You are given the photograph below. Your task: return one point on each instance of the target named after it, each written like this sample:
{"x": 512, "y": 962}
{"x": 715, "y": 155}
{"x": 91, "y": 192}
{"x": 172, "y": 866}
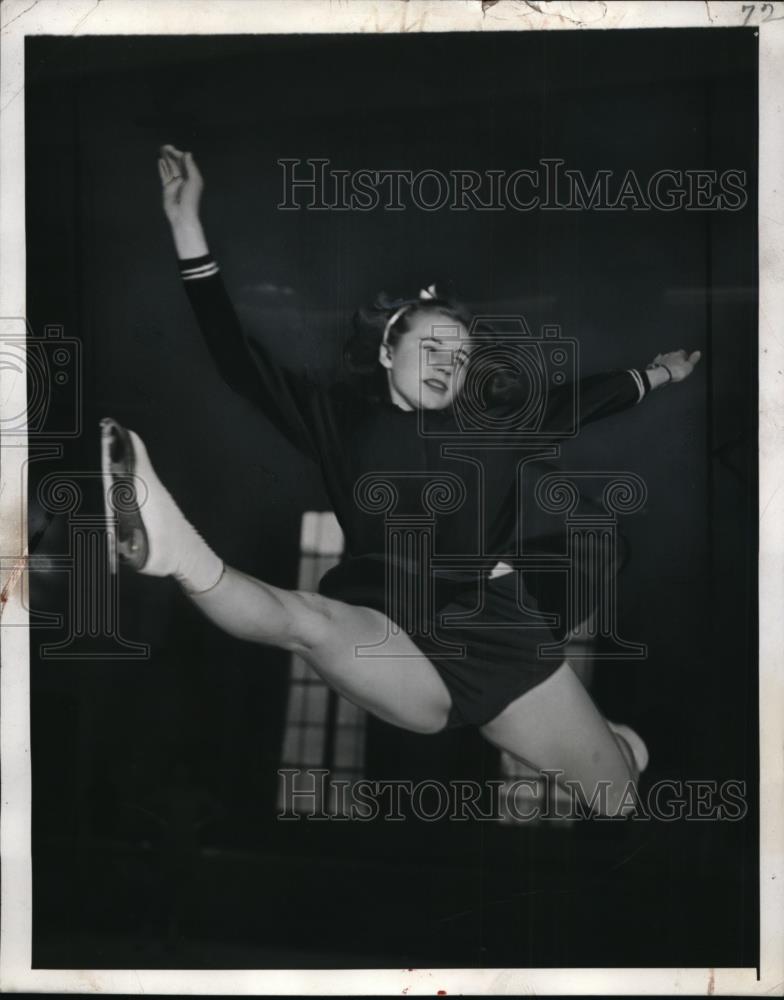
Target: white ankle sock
{"x": 175, "y": 546}
{"x": 634, "y": 741}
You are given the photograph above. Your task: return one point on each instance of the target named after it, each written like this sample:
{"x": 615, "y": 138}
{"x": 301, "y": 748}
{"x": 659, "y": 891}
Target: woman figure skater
{"x": 485, "y": 671}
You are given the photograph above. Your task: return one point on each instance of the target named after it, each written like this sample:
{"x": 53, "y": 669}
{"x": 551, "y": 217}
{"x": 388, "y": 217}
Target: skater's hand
{"x": 680, "y": 365}
{"x": 182, "y": 185}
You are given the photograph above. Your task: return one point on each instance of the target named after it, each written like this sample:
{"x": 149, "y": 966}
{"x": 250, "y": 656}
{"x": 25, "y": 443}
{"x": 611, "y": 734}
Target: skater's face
{"x": 426, "y": 365}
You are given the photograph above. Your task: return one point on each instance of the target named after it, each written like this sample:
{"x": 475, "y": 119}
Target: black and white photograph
{"x": 390, "y": 399}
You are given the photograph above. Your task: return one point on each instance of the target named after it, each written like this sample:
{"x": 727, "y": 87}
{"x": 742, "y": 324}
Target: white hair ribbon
{"x": 392, "y": 320}
{"x": 424, "y": 295}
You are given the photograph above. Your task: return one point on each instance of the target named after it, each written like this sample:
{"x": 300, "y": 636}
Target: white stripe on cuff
{"x": 205, "y": 271}
{"x": 638, "y": 382}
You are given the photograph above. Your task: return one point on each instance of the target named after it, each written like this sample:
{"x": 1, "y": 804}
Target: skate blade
{"x": 126, "y": 534}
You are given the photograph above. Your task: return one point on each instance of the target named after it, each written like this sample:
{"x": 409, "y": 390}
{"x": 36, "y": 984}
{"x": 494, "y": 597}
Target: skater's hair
{"x": 386, "y": 321}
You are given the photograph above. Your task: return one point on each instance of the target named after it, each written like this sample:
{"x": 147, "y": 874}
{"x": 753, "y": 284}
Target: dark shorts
{"x": 504, "y": 649}
{"x": 485, "y": 637}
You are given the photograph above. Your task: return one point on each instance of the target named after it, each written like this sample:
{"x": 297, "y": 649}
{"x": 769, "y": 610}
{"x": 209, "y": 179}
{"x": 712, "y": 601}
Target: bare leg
{"x": 556, "y": 726}
{"x": 581, "y": 650}
{"x": 402, "y": 687}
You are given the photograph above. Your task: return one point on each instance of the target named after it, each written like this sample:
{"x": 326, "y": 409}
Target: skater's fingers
{"x": 694, "y": 357}
{"x": 168, "y": 154}
{"x": 174, "y": 160}
{"x": 191, "y": 167}
{"x": 170, "y": 176}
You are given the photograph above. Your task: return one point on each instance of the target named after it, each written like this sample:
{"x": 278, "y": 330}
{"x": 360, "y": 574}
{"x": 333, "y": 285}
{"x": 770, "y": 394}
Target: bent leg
{"x": 401, "y": 687}
{"x": 557, "y": 727}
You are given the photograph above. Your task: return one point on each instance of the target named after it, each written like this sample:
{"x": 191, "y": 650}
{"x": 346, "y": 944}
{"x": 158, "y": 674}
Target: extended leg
{"x": 402, "y": 687}
{"x": 557, "y": 727}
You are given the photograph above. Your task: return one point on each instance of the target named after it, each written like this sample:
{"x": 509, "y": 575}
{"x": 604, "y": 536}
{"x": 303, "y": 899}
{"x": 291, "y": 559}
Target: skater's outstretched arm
{"x": 286, "y": 399}
{"x": 603, "y": 394}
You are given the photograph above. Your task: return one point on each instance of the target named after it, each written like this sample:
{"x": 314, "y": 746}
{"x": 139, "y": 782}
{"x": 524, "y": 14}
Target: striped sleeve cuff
{"x": 642, "y": 382}
{"x": 194, "y": 268}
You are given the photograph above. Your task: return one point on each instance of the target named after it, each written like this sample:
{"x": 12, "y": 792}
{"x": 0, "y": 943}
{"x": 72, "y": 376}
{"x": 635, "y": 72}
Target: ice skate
{"x": 152, "y": 534}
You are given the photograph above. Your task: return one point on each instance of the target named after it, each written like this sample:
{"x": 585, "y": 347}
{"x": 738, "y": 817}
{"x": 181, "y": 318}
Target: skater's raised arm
{"x": 245, "y": 366}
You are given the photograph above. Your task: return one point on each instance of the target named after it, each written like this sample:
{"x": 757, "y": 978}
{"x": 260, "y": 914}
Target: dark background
{"x": 115, "y": 740}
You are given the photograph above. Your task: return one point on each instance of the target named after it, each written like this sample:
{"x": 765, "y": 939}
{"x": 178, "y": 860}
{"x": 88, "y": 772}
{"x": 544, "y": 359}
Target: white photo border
{"x": 21, "y": 18}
